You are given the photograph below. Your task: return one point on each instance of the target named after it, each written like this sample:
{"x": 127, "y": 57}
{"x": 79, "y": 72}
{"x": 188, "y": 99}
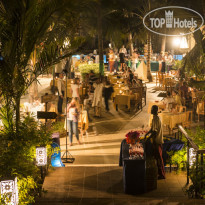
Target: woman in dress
{"x": 97, "y": 98}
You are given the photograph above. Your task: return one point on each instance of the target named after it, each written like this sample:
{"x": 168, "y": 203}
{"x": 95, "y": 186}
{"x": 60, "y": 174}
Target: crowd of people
{"x": 98, "y": 88}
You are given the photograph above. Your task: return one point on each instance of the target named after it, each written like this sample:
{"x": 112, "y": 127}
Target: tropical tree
{"x": 26, "y": 26}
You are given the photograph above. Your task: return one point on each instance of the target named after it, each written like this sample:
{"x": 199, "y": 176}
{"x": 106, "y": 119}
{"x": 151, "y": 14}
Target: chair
{"x": 180, "y": 108}
{"x": 188, "y": 121}
{"x": 200, "y": 109}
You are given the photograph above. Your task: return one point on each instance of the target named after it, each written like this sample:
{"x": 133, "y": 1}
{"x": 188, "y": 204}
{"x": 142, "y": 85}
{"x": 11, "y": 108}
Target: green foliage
{"x": 198, "y": 137}
{"x": 86, "y": 68}
{"x": 177, "y": 64}
{"x": 57, "y": 127}
{"x": 180, "y": 157}
{"x": 17, "y": 154}
{"x": 197, "y": 177}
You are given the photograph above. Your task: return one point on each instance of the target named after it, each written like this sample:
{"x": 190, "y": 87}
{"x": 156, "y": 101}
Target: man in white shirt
{"x": 157, "y": 136}
{"x": 61, "y": 92}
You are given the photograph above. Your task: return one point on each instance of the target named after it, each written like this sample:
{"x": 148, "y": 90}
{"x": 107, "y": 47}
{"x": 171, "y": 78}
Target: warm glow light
{"x": 192, "y": 156}
{"x": 176, "y": 41}
{"x": 41, "y": 156}
{"x": 183, "y": 43}
{"x": 10, "y": 188}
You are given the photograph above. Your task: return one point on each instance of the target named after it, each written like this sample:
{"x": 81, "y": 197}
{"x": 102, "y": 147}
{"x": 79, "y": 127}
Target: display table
{"x": 134, "y": 176}
{"x": 139, "y": 175}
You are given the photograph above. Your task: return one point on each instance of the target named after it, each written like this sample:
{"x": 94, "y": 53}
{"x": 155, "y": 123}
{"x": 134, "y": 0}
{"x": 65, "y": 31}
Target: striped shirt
{"x": 157, "y": 127}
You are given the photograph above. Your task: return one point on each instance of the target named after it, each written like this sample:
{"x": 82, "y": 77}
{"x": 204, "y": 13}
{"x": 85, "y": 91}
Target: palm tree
{"x": 24, "y": 26}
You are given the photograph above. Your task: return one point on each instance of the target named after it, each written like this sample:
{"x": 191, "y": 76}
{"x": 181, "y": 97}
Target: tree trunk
{"x": 163, "y": 46}
{"x": 149, "y": 75}
{"x": 100, "y": 40}
{"x": 130, "y": 43}
{"x": 17, "y": 113}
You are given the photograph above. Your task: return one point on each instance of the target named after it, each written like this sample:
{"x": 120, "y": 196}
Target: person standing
{"x": 97, "y": 98}
{"x": 72, "y": 121}
{"x": 157, "y": 136}
{"x": 61, "y": 92}
{"x": 122, "y": 53}
{"x": 107, "y": 92}
{"x": 75, "y": 89}
{"x": 111, "y": 60}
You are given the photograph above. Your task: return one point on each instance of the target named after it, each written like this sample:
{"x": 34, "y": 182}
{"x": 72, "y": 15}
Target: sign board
{"x": 48, "y": 98}
{"x": 46, "y": 115}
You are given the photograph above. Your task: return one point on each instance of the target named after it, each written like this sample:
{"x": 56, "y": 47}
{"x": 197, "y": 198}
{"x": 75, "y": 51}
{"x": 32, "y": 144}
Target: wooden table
{"x": 124, "y": 99}
{"x": 171, "y": 119}
{"x": 160, "y": 105}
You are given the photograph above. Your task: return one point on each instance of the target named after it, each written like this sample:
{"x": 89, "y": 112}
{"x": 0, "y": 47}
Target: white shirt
{"x": 123, "y": 50}
{"x": 61, "y": 86}
{"x": 75, "y": 88}
{"x": 157, "y": 126}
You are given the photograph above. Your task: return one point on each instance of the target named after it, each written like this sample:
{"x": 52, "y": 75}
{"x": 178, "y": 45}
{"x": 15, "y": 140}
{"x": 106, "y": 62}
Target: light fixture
{"x": 9, "y": 189}
{"x": 183, "y": 43}
{"x": 176, "y": 41}
{"x": 41, "y": 156}
{"x": 66, "y": 43}
{"x": 192, "y": 156}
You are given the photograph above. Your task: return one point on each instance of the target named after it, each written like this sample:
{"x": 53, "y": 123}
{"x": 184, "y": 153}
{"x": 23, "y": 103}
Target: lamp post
{"x": 41, "y": 158}
{"x": 9, "y": 189}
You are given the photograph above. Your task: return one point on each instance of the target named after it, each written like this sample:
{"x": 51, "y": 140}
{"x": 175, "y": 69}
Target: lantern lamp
{"x": 41, "y": 156}
{"x": 9, "y": 188}
{"x": 192, "y": 156}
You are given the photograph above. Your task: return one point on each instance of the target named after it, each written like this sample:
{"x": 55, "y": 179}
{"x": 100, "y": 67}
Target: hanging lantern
{"x": 41, "y": 156}
{"x": 9, "y": 189}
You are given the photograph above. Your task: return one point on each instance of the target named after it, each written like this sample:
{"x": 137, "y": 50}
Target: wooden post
{"x": 187, "y": 162}
{"x": 149, "y": 75}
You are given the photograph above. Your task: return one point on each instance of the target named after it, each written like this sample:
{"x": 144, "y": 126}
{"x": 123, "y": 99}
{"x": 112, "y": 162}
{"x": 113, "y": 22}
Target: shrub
{"x": 17, "y": 154}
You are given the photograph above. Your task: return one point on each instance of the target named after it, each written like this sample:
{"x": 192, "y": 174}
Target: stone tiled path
{"x": 103, "y": 185}
{"x": 95, "y": 178}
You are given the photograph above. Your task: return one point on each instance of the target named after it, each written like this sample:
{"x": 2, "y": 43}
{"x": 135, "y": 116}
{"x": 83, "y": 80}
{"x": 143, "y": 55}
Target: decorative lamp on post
{"x": 9, "y": 189}
{"x": 192, "y": 156}
{"x": 41, "y": 156}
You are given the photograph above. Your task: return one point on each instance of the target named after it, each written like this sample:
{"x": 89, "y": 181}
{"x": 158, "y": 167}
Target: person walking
{"x": 72, "y": 121}
{"x": 97, "y": 98}
{"x": 61, "y": 92}
{"x": 157, "y": 136}
{"x": 107, "y": 92}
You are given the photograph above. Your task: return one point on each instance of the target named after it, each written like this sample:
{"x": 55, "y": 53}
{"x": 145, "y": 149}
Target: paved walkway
{"x": 95, "y": 178}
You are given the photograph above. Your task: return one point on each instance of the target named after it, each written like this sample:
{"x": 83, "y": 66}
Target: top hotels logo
{"x": 173, "y": 21}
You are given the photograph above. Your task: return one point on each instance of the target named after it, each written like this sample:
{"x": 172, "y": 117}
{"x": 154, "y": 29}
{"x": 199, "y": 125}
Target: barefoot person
{"x": 157, "y": 136}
